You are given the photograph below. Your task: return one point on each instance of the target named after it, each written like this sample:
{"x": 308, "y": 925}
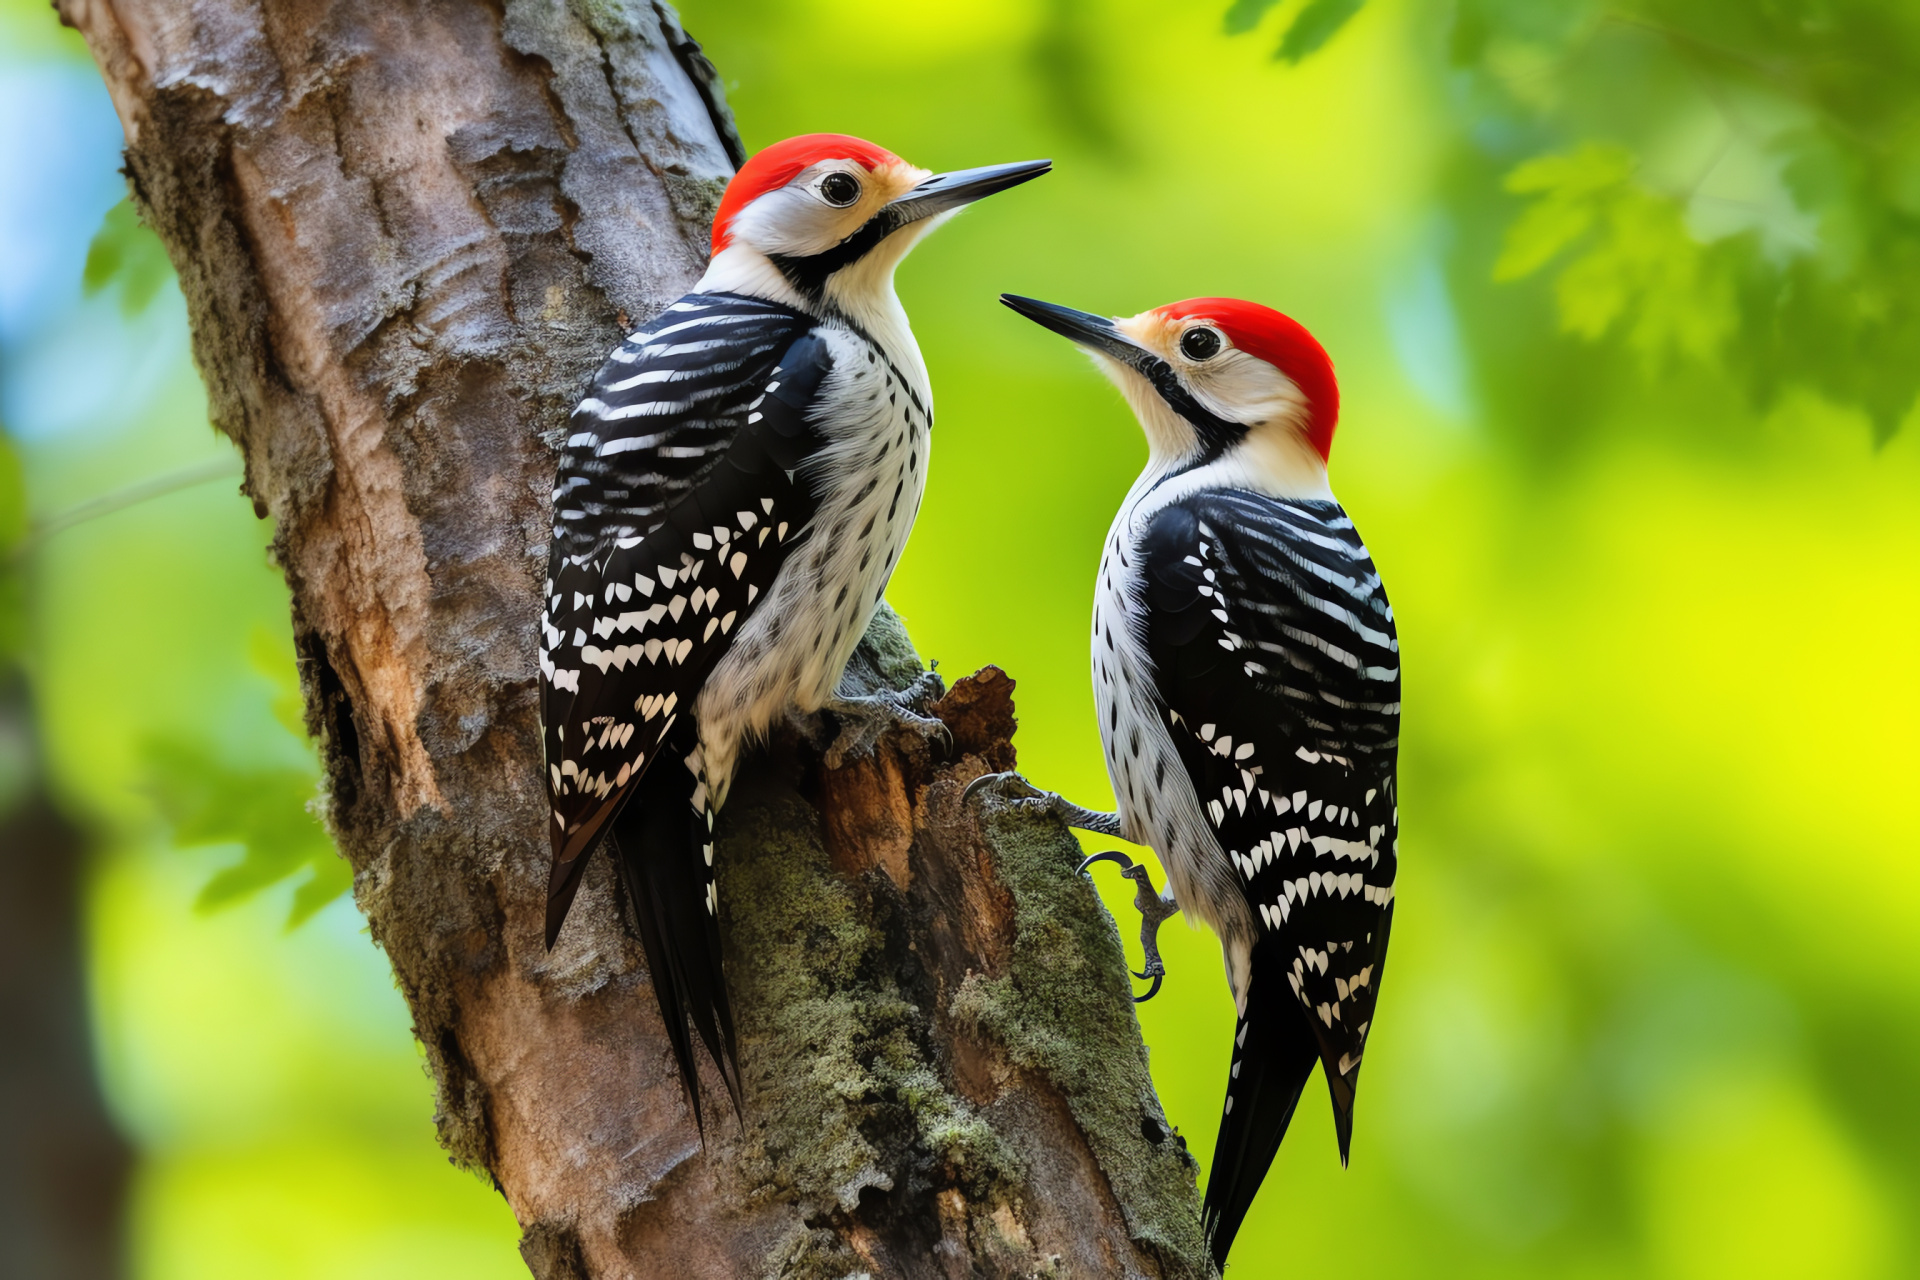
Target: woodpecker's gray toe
{"x": 1009, "y": 786}
{"x": 928, "y": 689}
{"x": 1013, "y": 789}
{"x": 864, "y": 721}
{"x": 1155, "y": 910}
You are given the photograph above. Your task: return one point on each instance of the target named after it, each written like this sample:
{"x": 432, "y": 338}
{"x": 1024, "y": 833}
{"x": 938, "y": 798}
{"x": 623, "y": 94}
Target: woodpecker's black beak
{"x": 944, "y": 191}
{"x": 939, "y": 194}
{"x": 1101, "y": 335}
{"x": 1088, "y": 330}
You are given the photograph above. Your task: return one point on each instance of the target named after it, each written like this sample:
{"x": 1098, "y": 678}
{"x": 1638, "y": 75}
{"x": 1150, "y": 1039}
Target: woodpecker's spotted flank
{"x": 1248, "y": 682}
{"x": 733, "y": 494}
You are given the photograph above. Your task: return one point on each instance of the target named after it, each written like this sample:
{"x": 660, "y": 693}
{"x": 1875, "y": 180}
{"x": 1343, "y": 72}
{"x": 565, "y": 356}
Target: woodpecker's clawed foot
{"x": 1013, "y": 789}
{"x": 928, "y": 688}
{"x": 1009, "y": 787}
{"x": 1154, "y": 909}
{"x": 864, "y": 721}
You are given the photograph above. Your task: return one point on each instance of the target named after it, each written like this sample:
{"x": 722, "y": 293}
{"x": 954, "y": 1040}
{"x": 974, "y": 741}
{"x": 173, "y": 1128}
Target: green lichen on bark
{"x": 843, "y": 1078}
{"x": 839, "y": 1074}
{"x": 885, "y": 658}
{"x": 1065, "y": 1009}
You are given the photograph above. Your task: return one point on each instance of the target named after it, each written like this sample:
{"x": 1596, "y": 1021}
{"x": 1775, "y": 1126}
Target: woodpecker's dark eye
{"x": 839, "y": 189}
{"x": 1200, "y": 343}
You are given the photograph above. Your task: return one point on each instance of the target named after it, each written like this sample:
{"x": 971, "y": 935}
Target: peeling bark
{"x": 407, "y": 234}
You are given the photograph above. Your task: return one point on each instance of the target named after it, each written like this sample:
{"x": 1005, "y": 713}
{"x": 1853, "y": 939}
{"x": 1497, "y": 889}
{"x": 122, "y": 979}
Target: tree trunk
{"x": 64, "y": 1168}
{"x": 407, "y": 234}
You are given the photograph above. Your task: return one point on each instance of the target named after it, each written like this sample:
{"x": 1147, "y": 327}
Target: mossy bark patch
{"x": 1065, "y": 1009}
{"x": 849, "y": 1114}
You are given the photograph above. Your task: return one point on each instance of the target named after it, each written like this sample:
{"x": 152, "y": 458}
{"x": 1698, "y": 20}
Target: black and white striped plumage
{"x": 1247, "y": 675}
{"x": 673, "y": 513}
{"x": 723, "y": 530}
{"x": 1273, "y": 652}
{"x": 732, "y": 496}
{"x": 680, "y": 497}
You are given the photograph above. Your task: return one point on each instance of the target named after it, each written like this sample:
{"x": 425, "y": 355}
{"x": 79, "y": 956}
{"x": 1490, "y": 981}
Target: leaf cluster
{"x": 1631, "y": 263}
{"x": 1719, "y": 186}
{"x": 1745, "y": 178}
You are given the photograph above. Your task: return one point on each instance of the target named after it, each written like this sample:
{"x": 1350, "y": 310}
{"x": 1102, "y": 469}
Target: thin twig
{"x": 130, "y": 496}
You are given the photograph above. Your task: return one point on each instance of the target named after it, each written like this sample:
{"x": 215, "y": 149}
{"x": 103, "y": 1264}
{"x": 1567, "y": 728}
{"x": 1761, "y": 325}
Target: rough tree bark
{"x": 407, "y": 233}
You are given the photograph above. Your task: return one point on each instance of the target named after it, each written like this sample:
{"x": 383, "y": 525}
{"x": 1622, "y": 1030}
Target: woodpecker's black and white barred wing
{"x": 661, "y": 412}
{"x": 1274, "y": 650}
{"x": 678, "y": 497}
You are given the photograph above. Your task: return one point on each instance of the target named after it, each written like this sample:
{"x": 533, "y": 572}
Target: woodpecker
{"x": 1247, "y": 675}
{"x": 732, "y": 496}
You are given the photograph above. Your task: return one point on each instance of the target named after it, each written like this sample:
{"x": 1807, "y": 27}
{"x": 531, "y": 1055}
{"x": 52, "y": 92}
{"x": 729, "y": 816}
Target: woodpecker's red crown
{"x": 777, "y": 165}
{"x": 1282, "y": 342}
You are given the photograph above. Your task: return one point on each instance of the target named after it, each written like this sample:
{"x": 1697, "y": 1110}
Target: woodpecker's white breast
{"x": 1156, "y": 800}
{"x": 876, "y": 418}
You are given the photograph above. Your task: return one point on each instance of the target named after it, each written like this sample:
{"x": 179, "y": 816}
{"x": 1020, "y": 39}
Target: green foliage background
{"x": 1623, "y": 300}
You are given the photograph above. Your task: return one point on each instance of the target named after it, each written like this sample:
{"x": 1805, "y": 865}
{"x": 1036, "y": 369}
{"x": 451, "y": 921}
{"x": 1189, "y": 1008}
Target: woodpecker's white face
{"x": 1229, "y": 383}
{"x": 823, "y": 205}
{"x": 820, "y": 222}
{"x": 1216, "y": 382}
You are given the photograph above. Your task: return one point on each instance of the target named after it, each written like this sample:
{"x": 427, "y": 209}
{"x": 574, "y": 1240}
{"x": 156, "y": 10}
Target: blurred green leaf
{"x": 270, "y": 812}
{"x": 265, "y": 810}
{"x": 1309, "y": 30}
{"x": 1065, "y": 52}
{"x": 1570, "y": 191}
{"x": 126, "y": 255}
{"x": 1318, "y": 23}
{"x": 1245, "y": 15}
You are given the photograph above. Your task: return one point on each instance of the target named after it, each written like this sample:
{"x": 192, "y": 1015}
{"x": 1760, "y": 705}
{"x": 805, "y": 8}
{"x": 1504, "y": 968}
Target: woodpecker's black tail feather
{"x": 658, "y": 842}
{"x": 1342, "y": 1093}
{"x": 1274, "y": 1053}
{"x": 563, "y": 882}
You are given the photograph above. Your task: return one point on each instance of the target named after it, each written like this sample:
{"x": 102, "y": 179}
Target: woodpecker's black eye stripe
{"x": 809, "y": 274}
{"x": 1216, "y": 434}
